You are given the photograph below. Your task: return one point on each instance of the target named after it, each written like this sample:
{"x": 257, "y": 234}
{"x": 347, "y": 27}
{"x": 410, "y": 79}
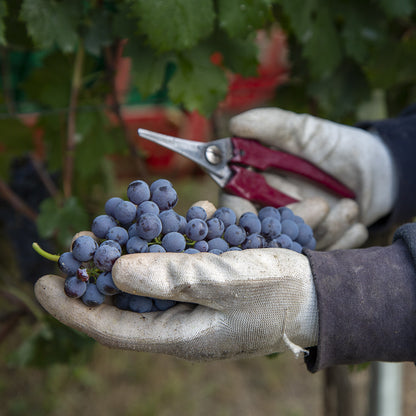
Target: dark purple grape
{"x": 111, "y": 204}
{"x": 290, "y": 228}
{"x": 149, "y": 226}
{"x": 68, "y": 263}
{"x": 191, "y": 250}
{"x": 218, "y": 243}
{"x": 250, "y": 222}
{"x": 196, "y": 212}
{"x": 73, "y": 287}
{"x": 270, "y": 227}
{"x": 296, "y": 247}
{"x": 216, "y": 228}
{"x": 226, "y": 215}
{"x": 105, "y": 256}
{"x": 269, "y": 212}
{"x": 164, "y": 304}
{"x": 196, "y": 229}
{"x": 84, "y": 247}
{"x": 112, "y": 243}
{"x": 171, "y": 221}
{"x": 201, "y": 246}
{"x": 140, "y": 304}
{"x": 102, "y": 224}
{"x": 121, "y": 300}
{"x": 160, "y": 182}
{"x": 156, "y": 248}
{"x": 138, "y": 192}
{"x": 105, "y": 284}
{"x": 118, "y": 234}
{"x": 305, "y": 234}
{"x": 253, "y": 241}
{"x": 165, "y": 197}
{"x": 125, "y": 212}
{"x": 92, "y": 296}
{"x": 234, "y": 235}
{"x": 282, "y": 241}
{"x": 286, "y": 213}
{"x": 136, "y": 245}
{"x": 174, "y": 242}
{"x": 147, "y": 207}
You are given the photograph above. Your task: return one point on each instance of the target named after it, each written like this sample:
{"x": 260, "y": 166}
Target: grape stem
{"x": 43, "y": 253}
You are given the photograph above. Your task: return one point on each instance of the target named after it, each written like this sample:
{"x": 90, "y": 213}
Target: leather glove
{"x": 238, "y": 304}
{"x": 356, "y": 157}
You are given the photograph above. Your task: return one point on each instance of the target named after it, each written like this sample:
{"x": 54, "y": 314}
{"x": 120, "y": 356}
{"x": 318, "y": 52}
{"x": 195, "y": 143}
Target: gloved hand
{"x": 238, "y": 304}
{"x": 356, "y": 157}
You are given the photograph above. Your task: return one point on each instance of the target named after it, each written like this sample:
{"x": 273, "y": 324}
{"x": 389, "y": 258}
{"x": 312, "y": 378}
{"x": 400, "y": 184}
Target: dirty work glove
{"x": 238, "y": 304}
{"x": 356, "y": 157}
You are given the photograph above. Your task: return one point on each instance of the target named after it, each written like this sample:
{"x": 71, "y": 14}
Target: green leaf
{"x": 148, "y": 68}
{"x": 398, "y": 8}
{"x": 51, "y": 22}
{"x": 3, "y": 14}
{"x": 242, "y": 17}
{"x": 175, "y": 24}
{"x": 197, "y": 83}
{"x": 240, "y": 55}
{"x": 63, "y": 221}
{"x": 16, "y": 140}
{"x": 99, "y": 32}
{"x": 52, "y": 343}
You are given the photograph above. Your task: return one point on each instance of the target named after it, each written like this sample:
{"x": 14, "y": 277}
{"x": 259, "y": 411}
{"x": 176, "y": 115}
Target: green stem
{"x": 43, "y": 253}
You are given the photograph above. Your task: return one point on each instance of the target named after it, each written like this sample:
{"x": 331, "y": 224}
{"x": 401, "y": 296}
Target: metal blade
{"x": 213, "y": 156}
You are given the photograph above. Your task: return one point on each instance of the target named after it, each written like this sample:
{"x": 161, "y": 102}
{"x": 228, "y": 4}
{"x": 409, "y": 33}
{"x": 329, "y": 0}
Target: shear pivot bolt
{"x": 213, "y": 155}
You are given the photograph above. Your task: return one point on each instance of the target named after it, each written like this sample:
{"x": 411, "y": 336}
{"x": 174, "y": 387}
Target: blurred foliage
{"x": 58, "y": 60}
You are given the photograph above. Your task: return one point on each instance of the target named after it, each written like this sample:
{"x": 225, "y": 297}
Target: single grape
{"x": 234, "y": 235}
{"x": 149, "y": 226}
{"x": 136, "y": 245}
{"x": 253, "y": 241}
{"x": 133, "y": 230}
{"x": 164, "y": 304}
{"x": 171, "y": 221}
{"x": 68, "y": 263}
{"x": 311, "y": 244}
{"x": 73, "y": 287}
{"x": 216, "y": 228}
{"x": 226, "y": 215}
{"x": 105, "y": 284}
{"x": 160, "y": 182}
{"x": 118, "y": 234}
{"x": 174, "y": 242}
{"x": 218, "y": 243}
{"x": 112, "y": 243}
{"x": 305, "y": 234}
{"x": 82, "y": 274}
{"x": 138, "y": 192}
{"x": 216, "y": 251}
{"x": 84, "y": 247}
{"x": 156, "y": 248}
{"x": 147, "y": 207}
{"x": 296, "y": 247}
{"x": 298, "y": 220}
{"x": 191, "y": 251}
{"x": 111, "y": 204}
{"x": 201, "y": 246}
{"x": 105, "y": 256}
{"x": 102, "y": 224}
{"x": 270, "y": 227}
{"x": 282, "y": 241}
{"x": 140, "y": 304}
{"x": 121, "y": 300}
{"x": 196, "y": 212}
{"x": 269, "y": 212}
{"x": 286, "y": 213}
{"x": 196, "y": 229}
{"x": 250, "y": 222}
{"x": 165, "y": 197}
{"x": 182, "y": 224}
{"x": 290, "y": 228}
{"x": 92, "y": 296}
{"x": 125, "y": 212}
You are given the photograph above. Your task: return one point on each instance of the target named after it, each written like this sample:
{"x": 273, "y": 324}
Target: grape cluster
{"x": 147, "y": 222}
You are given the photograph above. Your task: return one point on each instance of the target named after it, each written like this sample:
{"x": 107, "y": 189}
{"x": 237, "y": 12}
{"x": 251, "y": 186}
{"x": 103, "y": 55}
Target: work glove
{"x": 233, "y": 305}
{"x": 357, "y": 158}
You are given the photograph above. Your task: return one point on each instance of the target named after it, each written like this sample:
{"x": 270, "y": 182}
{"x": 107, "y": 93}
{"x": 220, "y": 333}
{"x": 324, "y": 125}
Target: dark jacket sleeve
{"x": 399, "y": 134}
{"x": 366, "y": 302}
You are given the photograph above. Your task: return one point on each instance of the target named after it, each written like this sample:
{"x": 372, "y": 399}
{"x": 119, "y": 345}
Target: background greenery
{"x": 58, "y": 61}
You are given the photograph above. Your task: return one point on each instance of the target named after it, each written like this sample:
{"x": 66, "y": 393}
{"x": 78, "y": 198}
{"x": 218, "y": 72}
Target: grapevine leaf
{"x": 197, "y": 83}
{"x": 99, "y": 33}
{"x": 148, "y": 68}
{"x": 50, "y": 22}
{"x": 175, "y": 24}
{"x": 240, "y": 56}
{"x": 3, "y": 14}
{"x": 241, "y": 17}
{"x": 16, "y": 140}
{"x": 63, "y": 221}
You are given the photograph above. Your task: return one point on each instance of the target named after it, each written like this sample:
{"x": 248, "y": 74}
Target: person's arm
{"x": 366, "y": 302}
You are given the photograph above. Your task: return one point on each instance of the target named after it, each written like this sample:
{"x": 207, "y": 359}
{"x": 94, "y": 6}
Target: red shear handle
{"x": 252, "y": 186}
{"x": 252, "y": 153}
